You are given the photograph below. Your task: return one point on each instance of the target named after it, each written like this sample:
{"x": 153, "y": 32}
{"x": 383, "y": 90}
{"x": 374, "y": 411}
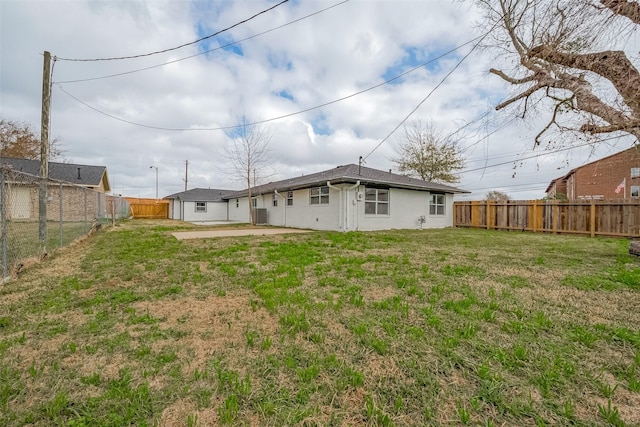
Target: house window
{"x": 237, "y": 203}
{"x": 319, "y": 196}
{"x": 436, "y": 206}
{"x": 290, "y": 198}
{"x": 376, "y": 201}
{"x": 201, "y": 206}
{"x": 275, "y": 200}
{"x": 635, "y": 172}
{"x": 254, "y": 202}
{"x": 635, "y": 191}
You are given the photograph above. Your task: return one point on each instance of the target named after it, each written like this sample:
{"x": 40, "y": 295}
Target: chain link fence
{"x": 71, "y": 212}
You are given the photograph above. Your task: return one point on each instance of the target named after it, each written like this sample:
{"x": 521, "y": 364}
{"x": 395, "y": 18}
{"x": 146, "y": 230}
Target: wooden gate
{"x": 149, "y": 208}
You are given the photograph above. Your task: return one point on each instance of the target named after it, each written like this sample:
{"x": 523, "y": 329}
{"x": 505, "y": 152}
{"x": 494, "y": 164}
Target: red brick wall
{"x": 599, "y": 179}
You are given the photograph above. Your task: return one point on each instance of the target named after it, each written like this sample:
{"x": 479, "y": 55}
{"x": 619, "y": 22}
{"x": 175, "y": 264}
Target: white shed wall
{"x": 216, "y": 211}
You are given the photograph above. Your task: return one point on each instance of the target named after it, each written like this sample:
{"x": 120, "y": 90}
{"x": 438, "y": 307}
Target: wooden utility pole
{"x": 186, "y": 174}
{"x": 44, "y": 150}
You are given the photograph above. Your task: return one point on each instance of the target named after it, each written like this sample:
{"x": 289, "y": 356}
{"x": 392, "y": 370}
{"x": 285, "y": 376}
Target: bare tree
{"x": 19, "y": 141}
{"x": 248, "y": 155}
{"x": 428, "y": 154}
{"x": 568, "y": 54}
{"x": 497, "y": 196}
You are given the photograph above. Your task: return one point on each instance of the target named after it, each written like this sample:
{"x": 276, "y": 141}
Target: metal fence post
{"x": 61, "y": 240}
{"x": 86, "y": 225}
{"x": 3, "y": 214}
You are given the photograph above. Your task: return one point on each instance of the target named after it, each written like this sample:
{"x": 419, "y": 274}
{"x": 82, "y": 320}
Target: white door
{"x": 19, "y": 203}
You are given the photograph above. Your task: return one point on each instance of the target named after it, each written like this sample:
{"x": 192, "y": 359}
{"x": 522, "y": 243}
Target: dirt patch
{"x": 214, "y": 324}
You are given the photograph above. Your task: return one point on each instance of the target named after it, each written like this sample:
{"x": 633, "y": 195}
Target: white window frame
{"x": 289, "y": 198}
{"x": 254, "y": 202}
{"x": 438, "y": 204}
{"x": 372, "y": 198}
{"x": 634, "y": 191}
{"x": 635, "y": 172}
{"x": 275, "y": 200}
{"x": 201, "y": 207}
{"x": 319, "y": 196}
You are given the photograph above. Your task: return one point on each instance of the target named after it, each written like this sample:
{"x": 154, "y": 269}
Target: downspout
{"x": 340, "y": 206}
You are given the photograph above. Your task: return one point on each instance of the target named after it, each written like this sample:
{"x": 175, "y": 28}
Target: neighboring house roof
{"x": 201, "y": 195}
{"x": 348, "y": 174}
{"x": 84, "y": 175}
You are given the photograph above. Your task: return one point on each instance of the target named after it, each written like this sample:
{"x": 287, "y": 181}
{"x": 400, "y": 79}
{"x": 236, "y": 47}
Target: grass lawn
{"x": 430, "y": 327}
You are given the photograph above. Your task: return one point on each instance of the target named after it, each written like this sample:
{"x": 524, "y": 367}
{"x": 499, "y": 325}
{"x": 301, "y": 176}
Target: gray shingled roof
{"x": 85, "y": 175}
{"x": 201, "y": 195}
{"x": 348, "y": 174}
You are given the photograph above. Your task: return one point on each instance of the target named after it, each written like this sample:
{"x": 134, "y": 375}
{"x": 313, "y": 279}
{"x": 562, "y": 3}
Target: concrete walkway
{"x": 208, "y": 234}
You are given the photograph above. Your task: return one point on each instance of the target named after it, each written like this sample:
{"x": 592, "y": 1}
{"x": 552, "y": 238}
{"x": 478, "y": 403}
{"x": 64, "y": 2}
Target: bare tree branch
{"x": 624, "y": 8}
{"x": 594, "y": 90}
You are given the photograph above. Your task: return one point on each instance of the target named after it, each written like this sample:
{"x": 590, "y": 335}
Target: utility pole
{"x": 44, "y": 151}
{"x": 186, "y": 174}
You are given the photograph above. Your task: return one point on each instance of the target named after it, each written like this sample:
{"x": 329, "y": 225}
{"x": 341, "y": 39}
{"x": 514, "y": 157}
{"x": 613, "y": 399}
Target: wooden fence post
{"x": 592, "y": 225}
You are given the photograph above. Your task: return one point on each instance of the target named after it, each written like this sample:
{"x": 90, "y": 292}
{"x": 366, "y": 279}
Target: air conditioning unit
{"x": 360, "y": 196}
{"x": 260, "y": 216}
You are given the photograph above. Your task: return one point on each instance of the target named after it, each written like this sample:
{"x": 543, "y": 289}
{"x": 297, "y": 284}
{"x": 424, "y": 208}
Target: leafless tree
{"x": 248, "y": 155}
{"x": 570, "y": 55}
{"x": 19, "y": 141}
{"x": 428, "y": 154}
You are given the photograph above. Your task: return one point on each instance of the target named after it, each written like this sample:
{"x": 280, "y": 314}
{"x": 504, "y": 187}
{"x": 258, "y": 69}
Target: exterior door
{"x": 19, "y": 202}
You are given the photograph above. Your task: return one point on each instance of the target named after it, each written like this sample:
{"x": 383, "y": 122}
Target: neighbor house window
{"x": 635, "y": 172}
{"x": 376, "y": 201}
{"x": 290, "y": 198}
{"x": 635, "y": 191}
{"x": 201, "y": 206}
{"x": 319, "y": 196}
{"x": 436, "y": 206}
{"x": 275, "y": 199}
{"x": 237, "y": 203}
{"x": 254, "y": 202}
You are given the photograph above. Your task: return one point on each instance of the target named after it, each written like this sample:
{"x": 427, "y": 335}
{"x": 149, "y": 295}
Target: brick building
{"x": 74, "y": 192}
{"x": 613, "y": 177}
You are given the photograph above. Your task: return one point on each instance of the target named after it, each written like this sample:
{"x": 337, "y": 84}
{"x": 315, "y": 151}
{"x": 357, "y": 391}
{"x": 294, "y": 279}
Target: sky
{"x": 299, "y": 68}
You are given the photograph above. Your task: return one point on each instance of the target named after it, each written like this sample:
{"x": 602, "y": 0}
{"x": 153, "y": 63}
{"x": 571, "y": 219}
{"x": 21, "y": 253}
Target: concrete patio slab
{"x": 208, "y": 234}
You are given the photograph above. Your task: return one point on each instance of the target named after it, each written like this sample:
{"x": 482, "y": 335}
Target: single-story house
{"x": 349, "y": 197}
{"x": 81, "y": 186}
{"x": 199, "y": 204}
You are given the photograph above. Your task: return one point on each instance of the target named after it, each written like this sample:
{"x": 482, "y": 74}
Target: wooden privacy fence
{"x": 591, "y": 217}
{"x": 149, "y": 208}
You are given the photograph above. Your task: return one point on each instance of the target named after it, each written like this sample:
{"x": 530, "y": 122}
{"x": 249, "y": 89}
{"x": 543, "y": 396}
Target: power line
{"x": 177, "y": 47}
{"x": 480, "y": 38}
{"x": 278, "y": 117}
{"x": 206, "y": 51}
{"x": 538, "y": 155}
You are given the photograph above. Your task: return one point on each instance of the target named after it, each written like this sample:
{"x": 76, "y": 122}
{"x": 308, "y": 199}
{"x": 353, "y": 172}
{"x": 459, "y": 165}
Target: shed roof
{"x": 349, "y": 174}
